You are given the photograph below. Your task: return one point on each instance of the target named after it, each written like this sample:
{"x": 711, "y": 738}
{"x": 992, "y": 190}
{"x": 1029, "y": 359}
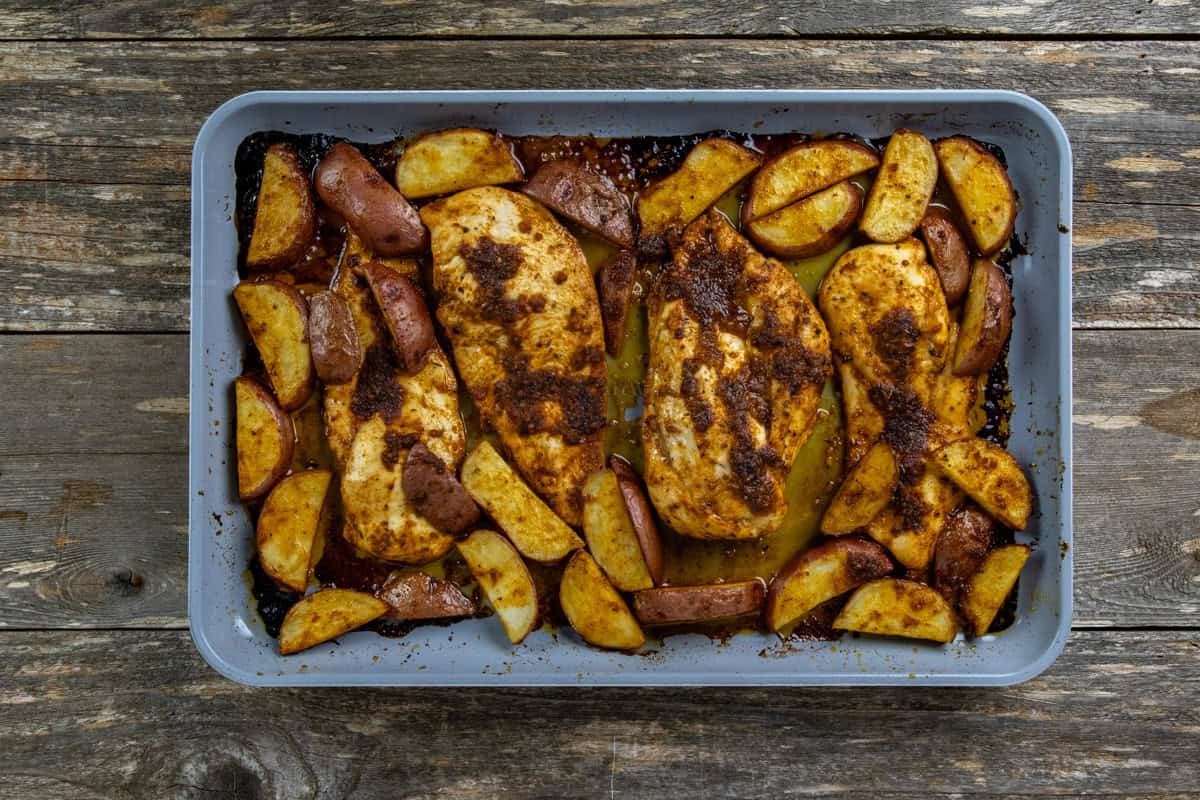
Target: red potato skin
{"x": 948, "y": 251}
{"x": 961, "y": 548}
{"x": 380, "y": 215}
{"x": 585, "y": 197}
{"x": 676, "y": 605}
{"x": 641, "y": 514}
{"x": 405, "y": 313}
{"x": 333, "y": 337}
{"x": 614, "y": 283}
{"x": 978, "y": 356}
{"x": 435, "y": 493}
{"x": 418, "y": 595}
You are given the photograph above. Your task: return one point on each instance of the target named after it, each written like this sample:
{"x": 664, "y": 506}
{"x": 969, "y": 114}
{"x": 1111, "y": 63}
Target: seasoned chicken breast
{"x": 519, "y": 304}
{"x": 738, "y": 358}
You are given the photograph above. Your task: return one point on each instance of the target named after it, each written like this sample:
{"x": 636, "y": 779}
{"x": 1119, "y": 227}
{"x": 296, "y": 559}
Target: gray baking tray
{"x": 224, "y": 622}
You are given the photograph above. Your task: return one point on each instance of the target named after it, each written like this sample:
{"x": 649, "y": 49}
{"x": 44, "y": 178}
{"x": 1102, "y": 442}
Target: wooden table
{"x": 101, "y": 691}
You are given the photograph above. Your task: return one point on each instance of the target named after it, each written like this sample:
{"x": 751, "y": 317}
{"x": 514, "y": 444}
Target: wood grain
{"x": 171, "y": 727}
{"x": 79, "y": 19}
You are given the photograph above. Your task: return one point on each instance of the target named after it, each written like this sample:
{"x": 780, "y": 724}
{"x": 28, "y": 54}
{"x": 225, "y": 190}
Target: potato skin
{"x": 405, "y": 313}
{"x": 614, "y": 283}
{"x": 379, "y": 214}
{"x": 675, "y": 605}
{"x": 961, "y": 548}
{"x": 641, "y": 513}
{"x": 435, "y": 493}
{"x": 419, "y": 595}
{"x": 585, "y": 197}
{"x": 948, "y": 251}
{"x": 987, "y": 320}
{"x": 333, "y": 338}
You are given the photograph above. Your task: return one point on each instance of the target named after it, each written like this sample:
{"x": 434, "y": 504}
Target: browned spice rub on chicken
{"x": 738, "y": 359}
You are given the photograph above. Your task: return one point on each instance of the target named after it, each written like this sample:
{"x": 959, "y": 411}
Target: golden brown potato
{"x": 986, "y": 322}
{"x": 452, "y": 160}
{"x": 961, "y": 548}
{"x": 809, "y": 226}
{"x": 587, "y": 198}
{"x": 333, "y": 338}
{"x": 435, "y": 494}
{"x": 285, "y": 219}
{"x": 404, "y": 312}
{"x": 902, "y": 189}
{"x": 594, "y": 608}
{"x": 326, "y": 615}
{"x": 265, "y": 439}
{"x": 802, "y": 170}
{"x": 820, "y": 574}
{"x": 287, "y": 526}
{"x": 348, "y": 184}
{"x": 538, "y": 533}
{"x": 991, "y": 477}
{"x": 505, "y": 581}
{"x": 610, "y": 536}
{"x": 641, "y": 514}
{"x": 990, "y": 585}
{"x": 948, "y": 252}
{"x": 982, "y": 189}
{"x": 276, "y": 316}
{"x": 896, "y": 607}
{"x": 614, "y": 283}
{"x": 865, "y": 491}
{"x": 419, "y": 595}
{"x": 683, "y": 605}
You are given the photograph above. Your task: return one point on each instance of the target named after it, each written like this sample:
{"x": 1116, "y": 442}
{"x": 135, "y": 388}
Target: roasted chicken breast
{"x": 519, "y": 304}
{"x": 738, "y": 358}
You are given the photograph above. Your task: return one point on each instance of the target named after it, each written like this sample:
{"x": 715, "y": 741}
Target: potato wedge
{"x": 683, "y": 605}
{"x": 266, "y": 438}
{"x": 961, "y": 547}
{"x": 586, "y": 198}
{"x": 614, "y": 283}
{"x": 351, "y": 186}
{"x": 536, "y": 531}
{"x": 419, "y": 595}
{"x": 990, "y": 585}
{"x": 435, "y": 493}
{"x": 713, "y": 167}
{"x": 287, "y": 526}
{"x": 452, "y": 160}
{"x": 897, "y": 607}
{"x": 594, "y": 608}
{"x": 982, "y": 189}
{"x": 608, "y": 529}
{"x": 285, "y": 219}
{"x": 277, "y": 317}
{"x": 865, "y": 491}
{"x": 902, "y": 189}
{"x": 986, "y": 322}
{"x": 333, "y": 337}
{"x": 326, "y": 615}
{"x": 809, "y": 226}
{"x": 641, "y": 514}
{"x": 990, "y": 476}
{"x": 948, "y": 253}
{"x": 820, "y": 574}
{"x": 505, "y": 581}
{"x": 802, "y": 170}
{"x": 404, "y": 312}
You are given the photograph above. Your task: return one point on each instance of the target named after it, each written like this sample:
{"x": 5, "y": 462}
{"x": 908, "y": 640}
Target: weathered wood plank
{"x": 92, "y": 480}
{"x": 75, "y": 19}
{"x": 1115, "y": 715}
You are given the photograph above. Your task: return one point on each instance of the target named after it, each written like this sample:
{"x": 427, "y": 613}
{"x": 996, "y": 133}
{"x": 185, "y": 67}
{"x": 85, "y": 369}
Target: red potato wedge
{"x": 288, "y": 524}
{"x": 595, "y": 609}
{"x": 285, "y": 219}
{"x": 609, "y": 532}
{"x": 948, "y": 252}
{"x": 961, "y": 547}
{"x": 505, "y": 581}
{"x": 614, "y": 284}
{"x": 897, "y": 607}
{"x": 326, "y": 615}
{"x": 587, "y": 198}
{"x": 404, "y": 312}
{"x": 865, "y": 491}
{"x": 990, "y": 476}
{"x": 982, "y": 189}
{"x": 435, "y": 493}
{"x": 713, "y": 167}
{"x": 803, "y": 170}
{"x": 641, "y": 514}
{"x": 276, "y": 316}
{"x": 266, "y": 438}
{"x": 419, "y": 595}
{"x": 810, "y": 226}
{"x": 990, "y": 585}
{"x": 333, "y": 337}
{"x": 986, "y": 322}
{"x": 536, "y": 531}
{"x": 452, "y": 160}
{"x": 820, "y": 574}
{"x": 902, "y": 189}
{"x": 683, "y": 605}
{"x": 386, "y": 222}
